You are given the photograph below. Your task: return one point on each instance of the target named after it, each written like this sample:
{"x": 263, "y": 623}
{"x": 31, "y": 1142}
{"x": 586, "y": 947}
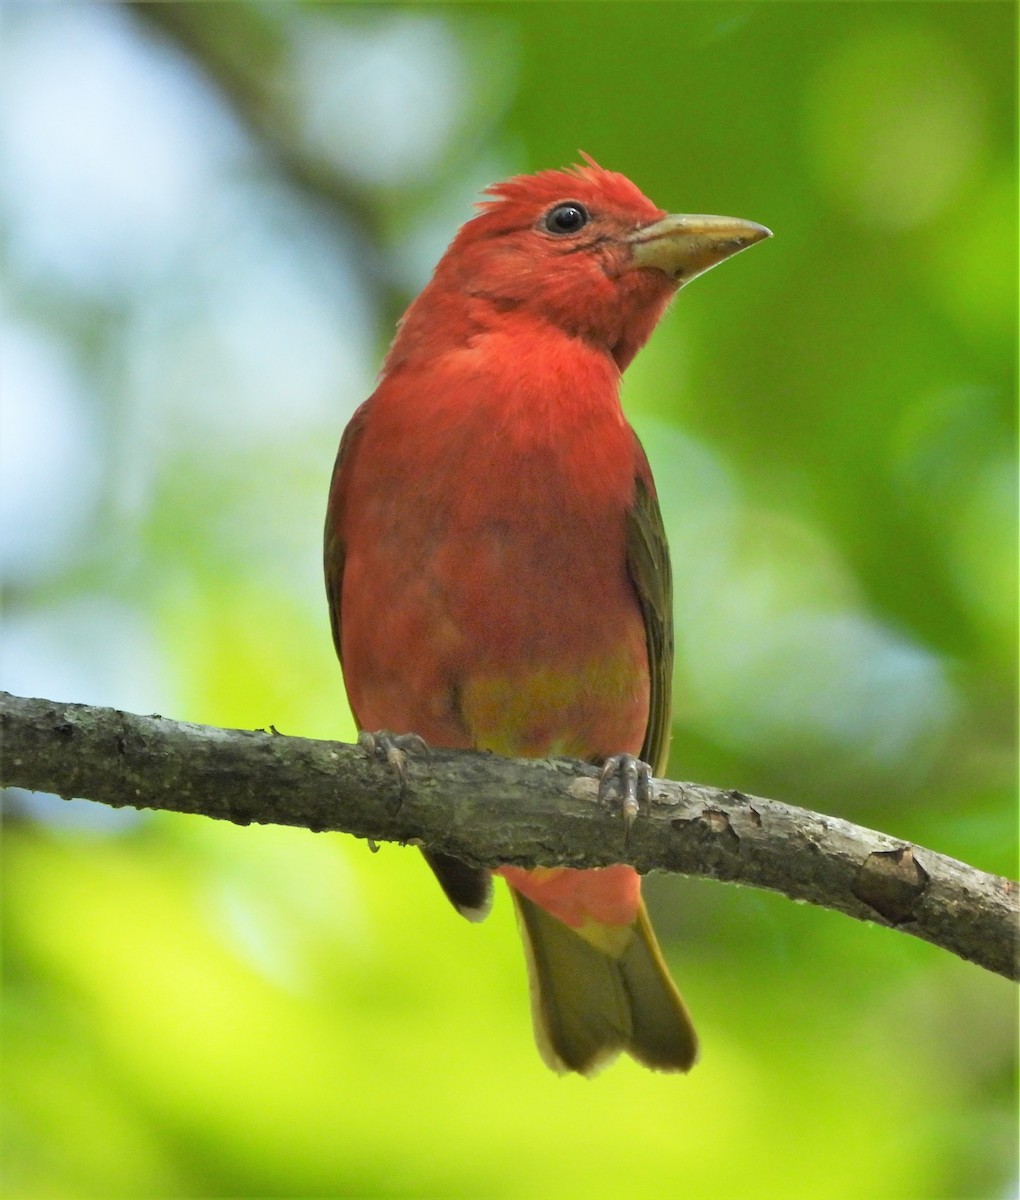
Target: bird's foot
{"x": 393, "y": 749}
{"x": 634, "y": 782}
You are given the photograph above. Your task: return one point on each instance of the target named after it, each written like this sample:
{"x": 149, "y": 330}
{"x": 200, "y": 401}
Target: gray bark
{"x": 488, "y": 810}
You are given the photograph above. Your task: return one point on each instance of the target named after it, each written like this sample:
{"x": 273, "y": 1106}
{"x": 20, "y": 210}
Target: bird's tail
{"x": 590, "y": 1001}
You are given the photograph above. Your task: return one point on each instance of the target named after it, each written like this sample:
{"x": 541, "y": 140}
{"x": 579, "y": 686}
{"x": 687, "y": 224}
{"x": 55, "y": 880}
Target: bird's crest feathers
{"x": 587, "y": 182}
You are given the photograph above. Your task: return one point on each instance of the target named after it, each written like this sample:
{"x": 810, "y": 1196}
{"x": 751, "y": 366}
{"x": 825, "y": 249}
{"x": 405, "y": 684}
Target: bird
{"x": 497, "y": 571}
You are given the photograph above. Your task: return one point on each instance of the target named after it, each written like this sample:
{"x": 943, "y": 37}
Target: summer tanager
{"x": 496, "y": 565}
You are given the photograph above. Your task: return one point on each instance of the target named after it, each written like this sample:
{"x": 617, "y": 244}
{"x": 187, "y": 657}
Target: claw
{"x": 394, "y": 749}
{"x": 635, "y": 780}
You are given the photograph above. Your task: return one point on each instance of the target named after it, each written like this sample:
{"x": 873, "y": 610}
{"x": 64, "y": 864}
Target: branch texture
{"x": 488, "y": 810}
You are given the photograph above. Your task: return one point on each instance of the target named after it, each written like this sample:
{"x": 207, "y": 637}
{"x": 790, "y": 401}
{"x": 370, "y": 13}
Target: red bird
{"x": 496, "y": 566}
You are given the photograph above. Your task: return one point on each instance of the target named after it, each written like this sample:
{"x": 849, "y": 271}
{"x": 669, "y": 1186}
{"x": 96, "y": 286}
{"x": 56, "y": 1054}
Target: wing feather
{"x": 650, "y": 571}
{"x": 333, "y": 551}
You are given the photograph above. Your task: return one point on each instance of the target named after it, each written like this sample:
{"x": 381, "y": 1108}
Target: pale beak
{"x": 686, "y": 246}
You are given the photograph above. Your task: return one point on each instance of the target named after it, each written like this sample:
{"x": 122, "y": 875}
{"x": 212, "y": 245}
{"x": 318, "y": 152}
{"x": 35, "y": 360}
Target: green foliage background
{"x": 212, "y": 216}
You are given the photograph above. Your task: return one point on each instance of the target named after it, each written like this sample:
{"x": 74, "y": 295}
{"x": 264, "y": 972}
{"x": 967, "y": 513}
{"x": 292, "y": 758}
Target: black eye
{"x": 567, "y": 218}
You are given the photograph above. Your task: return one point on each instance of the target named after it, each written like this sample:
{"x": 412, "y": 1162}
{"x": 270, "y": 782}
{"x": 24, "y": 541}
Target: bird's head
{"x": 583, "y": 250}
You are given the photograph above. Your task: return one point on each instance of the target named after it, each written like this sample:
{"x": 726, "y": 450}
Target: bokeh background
{"x": 211, "y": 217}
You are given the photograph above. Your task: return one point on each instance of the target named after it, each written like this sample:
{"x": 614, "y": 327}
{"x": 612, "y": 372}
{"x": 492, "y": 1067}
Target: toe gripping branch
{"x": 633, "y": 779}
{"x": 393, "y": 749}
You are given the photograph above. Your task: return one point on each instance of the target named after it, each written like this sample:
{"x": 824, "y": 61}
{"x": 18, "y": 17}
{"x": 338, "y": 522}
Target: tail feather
{"x": 663, "y": 1035}
{"x": 589, "y": 1005}
{"x": 469, "y": 889}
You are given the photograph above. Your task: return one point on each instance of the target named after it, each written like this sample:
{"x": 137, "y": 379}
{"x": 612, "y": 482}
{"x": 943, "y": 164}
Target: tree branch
{"x": 488, "y": 810}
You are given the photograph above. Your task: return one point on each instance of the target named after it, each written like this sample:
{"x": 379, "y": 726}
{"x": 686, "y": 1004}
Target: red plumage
{"x": 495, "y": 560}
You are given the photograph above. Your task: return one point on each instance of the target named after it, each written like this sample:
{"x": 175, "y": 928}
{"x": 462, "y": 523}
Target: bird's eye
{"x": 567, "y": 218}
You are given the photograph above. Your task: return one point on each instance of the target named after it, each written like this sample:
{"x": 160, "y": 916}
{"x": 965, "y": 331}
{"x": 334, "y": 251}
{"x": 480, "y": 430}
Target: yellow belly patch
{"x": 546, "y": 712}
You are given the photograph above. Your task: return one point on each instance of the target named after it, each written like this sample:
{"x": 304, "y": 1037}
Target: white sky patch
{"x": 90, "y": 650}
{"x": 381, "y": 97}
{"x": 263, "y": 334}
{"x": 49, "y": 454}
{"x": 109, "y": 144}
